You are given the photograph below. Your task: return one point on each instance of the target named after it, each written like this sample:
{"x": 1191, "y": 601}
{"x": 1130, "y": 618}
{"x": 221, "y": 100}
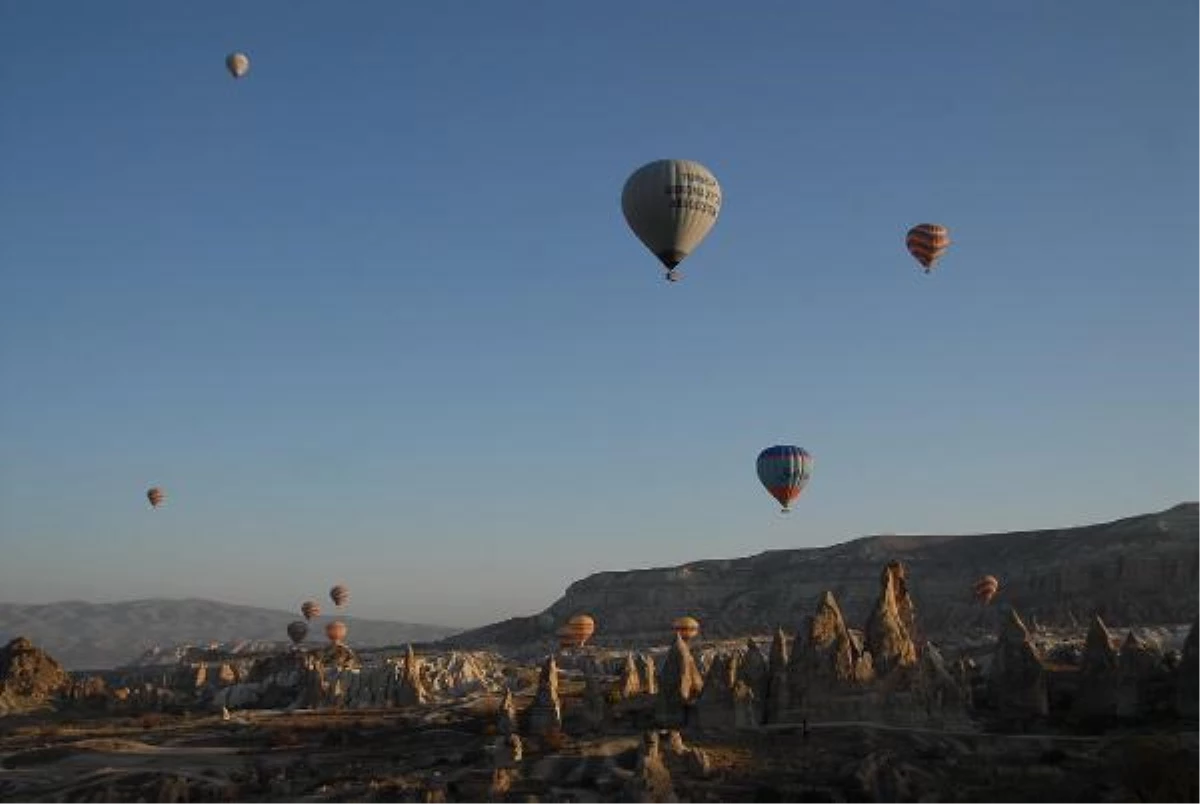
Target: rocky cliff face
{"x": 1133, "y": 571}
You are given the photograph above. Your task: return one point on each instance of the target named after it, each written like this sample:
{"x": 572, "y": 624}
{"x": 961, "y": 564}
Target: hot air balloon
{"x": 156, "y": 496}
{"x": 336, "y": 632}
{"x": 238, "y": 64}
{"x": 986, "y": 588}
{"x": 928, "y": 242}
{"x": 340, "y": 595}
{"x": 577, "y": 631}
{"x": 687, "y": 627}
{"x": 671, "y": 204}
{"x": 297, "y": 631}
{"x": 784, "y": 471}
{"x": 310, "y": 609}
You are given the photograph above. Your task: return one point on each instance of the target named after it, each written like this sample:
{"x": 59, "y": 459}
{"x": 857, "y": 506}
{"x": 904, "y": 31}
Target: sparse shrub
{"x": 150, "y": 720}
{"x": 555, "y": 740}
{"x": 285, "y": 738}
{"x": 488, "y": 707}
{"x": 1159, "y": 769}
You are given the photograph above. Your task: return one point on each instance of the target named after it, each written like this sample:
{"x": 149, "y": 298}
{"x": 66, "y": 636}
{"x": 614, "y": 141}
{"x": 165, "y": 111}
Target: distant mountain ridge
{"x": 98, "y": 636}
{"x": 1139, "y": 570}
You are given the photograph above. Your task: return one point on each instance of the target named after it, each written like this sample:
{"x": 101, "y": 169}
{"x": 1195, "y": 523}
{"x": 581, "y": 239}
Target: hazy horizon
{"x": 372, "y": 315}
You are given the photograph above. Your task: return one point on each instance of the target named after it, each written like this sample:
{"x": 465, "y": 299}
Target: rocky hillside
{"x": 1139, "y": 570}
{"x": 97, "y": 636}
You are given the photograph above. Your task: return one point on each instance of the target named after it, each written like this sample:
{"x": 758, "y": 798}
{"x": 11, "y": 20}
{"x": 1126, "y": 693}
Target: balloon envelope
{"x": 339, "y": 595}
{"x": 336, "y": 631}
{"x": 577, "y": 631}
{"x": 927, "y": 242}
{"x": 686, "y": 627}
{"x": 297, "y": 631}
{"x": 156, "y": 496}
{"x": 238, "y": 64}
{"x": 784, "y": 471}
{"x": 310, "y": 609}
{"x": 671, "y": 205}
{"x": 986, "y": 588}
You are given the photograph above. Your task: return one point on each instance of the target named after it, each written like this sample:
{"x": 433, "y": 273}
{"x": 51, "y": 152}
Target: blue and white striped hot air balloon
{"x": 784, "y": 471}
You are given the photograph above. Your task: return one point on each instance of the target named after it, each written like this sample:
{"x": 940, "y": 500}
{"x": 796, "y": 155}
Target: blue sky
{"x": 372, "y": 314}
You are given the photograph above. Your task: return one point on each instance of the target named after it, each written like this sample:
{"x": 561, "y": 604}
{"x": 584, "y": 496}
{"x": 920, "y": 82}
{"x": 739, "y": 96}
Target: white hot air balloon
{"x": 671, "y": 205}
{"x": 238, "y": 64}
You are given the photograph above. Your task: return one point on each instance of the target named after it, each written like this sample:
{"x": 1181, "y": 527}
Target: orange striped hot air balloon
{"x": 687, "y": 627}
{"x": 985, "y": 588}
{"x": 340, "y": 595}
{"x": 577, "y": 631}
{"x": 336, "y": 632}
{"x": 310, "y": 609}
{"x": 156, "y": 496}
{"x": 927, "y": 242}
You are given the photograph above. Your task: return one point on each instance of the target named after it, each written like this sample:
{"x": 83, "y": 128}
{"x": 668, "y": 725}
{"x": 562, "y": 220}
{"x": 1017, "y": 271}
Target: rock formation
{"x": 715, "y": 706}
{"x": 941, "y": 696}
{"x": 506, "y": 714}
{"x": 595, "y": 705}
{"x": 825, "y": 665}
{"x": 649, "y": 675}
{"x": 1187, "y": 695}
{"x": 775, "y": 702}
{"x": 411, "y": 690}
{"x": 1097, "y": 696}
{"x": 29, "y": 673}
{"x": 651, "y": 781}
{"x": 755, "y": 675}
{"x": 679, "y": 686}
{"x": 545, "y": 713}
{"x": 889, "y": 632}
{"x": 1017, "y": 680}
{"x": 507, "y": 751}
{"x": 630, "y": 683}
{"x": 1143, "y": 685}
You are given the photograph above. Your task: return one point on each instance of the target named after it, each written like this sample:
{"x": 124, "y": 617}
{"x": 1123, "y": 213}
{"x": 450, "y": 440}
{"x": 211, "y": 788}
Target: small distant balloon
{"x": 335, "y": 632}
{"x": 156, "y": 496}
{"x": 986, "y": 588}
{"x": 297, "y": 631}
{"x": 238, "y": 64}
{"x": 340, "y": 595}
{"x": 688, "y": 628}
{"x": 310, "y": 609}
{"x": 927, "y": 242}
{"x": 784, "y": 471}
{"x": 671, "y": 205}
